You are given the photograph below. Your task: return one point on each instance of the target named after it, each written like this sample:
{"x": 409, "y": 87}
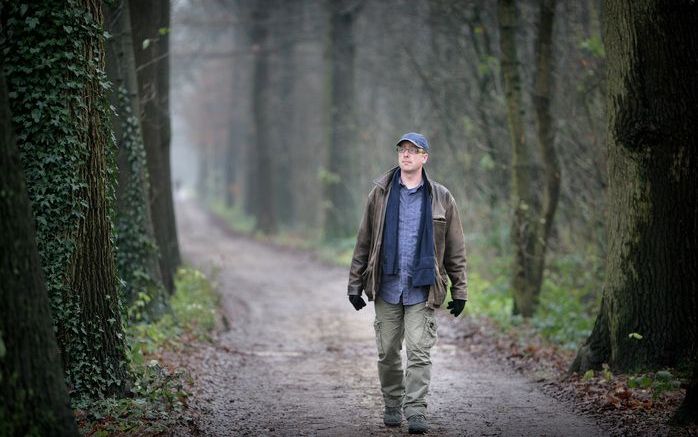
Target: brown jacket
{"x": 449, "y": 245}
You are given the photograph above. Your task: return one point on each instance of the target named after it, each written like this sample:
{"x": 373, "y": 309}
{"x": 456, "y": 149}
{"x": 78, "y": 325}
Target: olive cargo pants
{"x": 416, "y": 324}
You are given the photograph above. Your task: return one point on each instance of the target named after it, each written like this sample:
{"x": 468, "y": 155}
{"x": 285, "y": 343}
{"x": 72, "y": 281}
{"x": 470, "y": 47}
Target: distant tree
{"x": 150, "y": 24}
{"x": 237, "y": 129}
{"x": 533, "y": 211}
{"x": 545, "y": 130}
{"x": 57, "y": 96}
{"x": 341, "y": 218}
{"x": 33, "y": 395}
{"x": 137, "y": 253}
{"x": 285, "y": 74}
{"x": 484, "y": 73}
{"x": 263, "y": 177}
{"x": 649, "y": 311}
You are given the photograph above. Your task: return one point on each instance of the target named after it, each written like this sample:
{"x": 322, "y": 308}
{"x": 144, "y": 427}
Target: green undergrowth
{"x": 569, "y": 298}
{"x": 654, "y": 383}
{"x": 158, "y": 398}
{"x": 337, "y": 251}
{"x": 235, "y": 218}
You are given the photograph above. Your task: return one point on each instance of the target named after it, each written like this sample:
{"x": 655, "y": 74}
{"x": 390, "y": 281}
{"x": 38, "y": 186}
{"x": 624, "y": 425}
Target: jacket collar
{"x": 384, "y": 180}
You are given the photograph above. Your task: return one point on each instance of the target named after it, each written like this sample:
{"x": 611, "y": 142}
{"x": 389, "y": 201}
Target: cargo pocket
{"x": 379, "y": 337}
{"x": 429, "y": 332}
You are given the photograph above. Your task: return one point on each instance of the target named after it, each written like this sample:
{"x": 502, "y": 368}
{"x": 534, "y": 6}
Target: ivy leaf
{"x": 635, "y": 335}
{"x": 32, "y": 22}
{"x": 146, "y": 43}
{"x": 164, "y": 30}
{"x": 36, "y": 115}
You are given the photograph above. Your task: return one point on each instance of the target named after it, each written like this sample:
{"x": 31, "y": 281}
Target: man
{"x": 410, "y": 242}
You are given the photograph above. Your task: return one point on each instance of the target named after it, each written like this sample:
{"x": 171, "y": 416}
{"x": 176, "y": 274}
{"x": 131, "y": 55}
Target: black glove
{"x": 456, "y": 306}
{"x": 357, "y": 301}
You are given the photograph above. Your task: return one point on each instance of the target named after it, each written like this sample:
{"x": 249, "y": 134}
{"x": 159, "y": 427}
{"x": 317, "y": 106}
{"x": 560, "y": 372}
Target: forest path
{"x": 299, "y": 360}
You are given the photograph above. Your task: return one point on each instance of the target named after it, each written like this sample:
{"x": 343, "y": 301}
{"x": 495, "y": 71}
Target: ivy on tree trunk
{"x": 55, "y": 76}
{"x": 33, "y": 395}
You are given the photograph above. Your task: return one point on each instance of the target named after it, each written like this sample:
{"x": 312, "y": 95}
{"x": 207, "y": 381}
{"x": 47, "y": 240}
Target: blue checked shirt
{"x": 398, "y": 288}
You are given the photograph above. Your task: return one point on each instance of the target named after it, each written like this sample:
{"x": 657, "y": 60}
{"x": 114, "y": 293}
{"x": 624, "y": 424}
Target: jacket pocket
{"x": 440, "y": 289}
{"x": 439, "y": 237}
{"x": 366, "y": 278}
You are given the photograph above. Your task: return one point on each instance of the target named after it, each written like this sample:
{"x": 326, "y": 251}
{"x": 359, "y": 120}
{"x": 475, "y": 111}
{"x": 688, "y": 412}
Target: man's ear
{"x": 426, "y": 158}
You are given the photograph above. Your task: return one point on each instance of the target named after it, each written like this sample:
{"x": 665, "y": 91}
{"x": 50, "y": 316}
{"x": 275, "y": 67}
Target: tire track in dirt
{"x": 298, "y": 360}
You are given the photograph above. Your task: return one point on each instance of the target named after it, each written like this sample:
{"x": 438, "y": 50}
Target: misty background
{"x": 285, "y": 111}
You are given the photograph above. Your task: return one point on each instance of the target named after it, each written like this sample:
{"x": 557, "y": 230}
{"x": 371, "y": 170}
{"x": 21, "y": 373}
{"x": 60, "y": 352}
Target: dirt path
{"x": 298, "y": 360}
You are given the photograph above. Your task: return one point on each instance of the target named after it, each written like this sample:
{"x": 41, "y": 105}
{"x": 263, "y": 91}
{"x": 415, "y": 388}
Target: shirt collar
{"x": 421, "y": 183}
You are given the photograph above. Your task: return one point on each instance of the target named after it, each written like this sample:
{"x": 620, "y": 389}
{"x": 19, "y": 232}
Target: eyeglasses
{"x": 411, "y": 150}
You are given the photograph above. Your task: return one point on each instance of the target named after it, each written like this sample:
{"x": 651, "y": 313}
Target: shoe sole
{"x": 392, "y": 423}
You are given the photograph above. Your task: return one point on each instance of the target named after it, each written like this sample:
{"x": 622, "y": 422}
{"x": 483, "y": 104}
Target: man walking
{"x": 410, "y": 242}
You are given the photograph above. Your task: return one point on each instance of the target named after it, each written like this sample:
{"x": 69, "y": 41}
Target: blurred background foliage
{"x": 242, "y": 68}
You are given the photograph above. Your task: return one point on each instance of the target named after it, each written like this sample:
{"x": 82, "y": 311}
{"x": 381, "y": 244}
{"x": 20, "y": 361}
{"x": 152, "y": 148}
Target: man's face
{"x": 410, "y": 157}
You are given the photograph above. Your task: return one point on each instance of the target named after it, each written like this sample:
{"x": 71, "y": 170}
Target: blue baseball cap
{"x": 418, "y": 140}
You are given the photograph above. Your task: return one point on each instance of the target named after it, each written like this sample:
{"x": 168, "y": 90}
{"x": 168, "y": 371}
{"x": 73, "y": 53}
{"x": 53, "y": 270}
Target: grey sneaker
{"x": 417, "y": 424}
{"x": 392, "y": 416}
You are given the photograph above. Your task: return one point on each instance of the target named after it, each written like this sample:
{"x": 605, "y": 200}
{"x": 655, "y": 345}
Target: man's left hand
{"x": 456, "y": 306}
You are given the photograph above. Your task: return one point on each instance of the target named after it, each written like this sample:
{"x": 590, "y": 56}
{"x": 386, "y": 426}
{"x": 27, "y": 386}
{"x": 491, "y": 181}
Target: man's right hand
{"x": 357, "y": 301}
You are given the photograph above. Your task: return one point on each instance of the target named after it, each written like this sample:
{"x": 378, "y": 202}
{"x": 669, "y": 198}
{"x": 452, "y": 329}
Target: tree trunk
{"x": 137, "y": 253}
{"x": 230, "y": 171}
{"x": 264, "y": 176}
{"x": 341, "y": 220}
{"x": 286, "y": 108}
{"x": 67, "y": 155}
{"x": 523, "y": 200}
{"x": 542, "y": 98}
{"x": 150, "y": 47}
{"x": 33, "y": 395}
{"x": 170, "y": 246}
{"x": 652, "y": 104}
{"x": 498, "y": 187}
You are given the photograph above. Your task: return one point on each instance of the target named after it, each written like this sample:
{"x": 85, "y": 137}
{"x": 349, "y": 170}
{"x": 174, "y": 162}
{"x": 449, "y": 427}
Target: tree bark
{"x": 652, "y": 105}
{"x": 341, "y": 219}
{"x": 152, "y": 60}
{"x": 33, "y": 394}
{"x": 137, "y": 252}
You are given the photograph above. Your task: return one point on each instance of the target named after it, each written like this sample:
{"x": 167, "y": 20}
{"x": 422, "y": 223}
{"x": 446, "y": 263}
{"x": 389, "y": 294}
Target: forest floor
{"x": 294, "y": 358}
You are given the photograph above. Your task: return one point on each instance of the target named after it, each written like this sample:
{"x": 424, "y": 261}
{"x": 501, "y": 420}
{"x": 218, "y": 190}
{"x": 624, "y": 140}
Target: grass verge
{"x": 158, "y": 401}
